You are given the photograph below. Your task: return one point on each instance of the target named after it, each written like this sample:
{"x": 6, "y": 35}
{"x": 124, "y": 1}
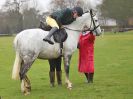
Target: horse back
{"x": 31, "y": 41}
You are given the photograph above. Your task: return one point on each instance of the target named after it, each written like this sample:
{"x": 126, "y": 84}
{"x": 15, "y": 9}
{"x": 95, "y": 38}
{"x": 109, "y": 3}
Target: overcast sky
{"x": 42, "y": 4}
{"x": 1, "y": 2}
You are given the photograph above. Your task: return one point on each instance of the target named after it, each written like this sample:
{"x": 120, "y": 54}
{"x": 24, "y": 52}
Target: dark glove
{"x": 78, "y": 46}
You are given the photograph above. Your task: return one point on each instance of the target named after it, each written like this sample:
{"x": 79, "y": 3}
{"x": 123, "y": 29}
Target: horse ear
{"x": 92, "y": 12}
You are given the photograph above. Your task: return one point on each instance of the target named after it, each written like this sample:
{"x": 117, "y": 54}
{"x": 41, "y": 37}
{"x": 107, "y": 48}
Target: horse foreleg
{"x": 67, "y": 60}
{"x": 25, "y": 82}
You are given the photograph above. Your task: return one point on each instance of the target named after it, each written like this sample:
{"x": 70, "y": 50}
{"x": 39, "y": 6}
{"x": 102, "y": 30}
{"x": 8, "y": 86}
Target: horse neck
{"x": 72, "y": 40}
{"x": 75, "y": 28}
{"x": 78, "y": 25}
{"x": 80, "y": 22}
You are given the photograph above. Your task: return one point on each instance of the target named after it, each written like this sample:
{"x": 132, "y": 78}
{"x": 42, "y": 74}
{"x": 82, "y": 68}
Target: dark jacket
{"x": 63, "y": 17}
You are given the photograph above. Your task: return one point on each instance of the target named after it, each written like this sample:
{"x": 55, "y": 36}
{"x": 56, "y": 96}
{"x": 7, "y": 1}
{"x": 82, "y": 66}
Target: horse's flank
{"x": 30, "y": 42}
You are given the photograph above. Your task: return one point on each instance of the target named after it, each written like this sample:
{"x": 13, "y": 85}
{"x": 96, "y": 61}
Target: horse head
{"x": 87, "y": 19}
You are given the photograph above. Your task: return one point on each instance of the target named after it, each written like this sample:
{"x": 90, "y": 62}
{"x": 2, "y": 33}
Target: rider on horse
{"x": 59, "y": 18}
{"x": 56, "y": 20}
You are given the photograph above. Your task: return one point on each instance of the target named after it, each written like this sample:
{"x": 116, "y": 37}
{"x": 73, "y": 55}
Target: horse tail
{"x": 16, "y": 67}
{"x": 17, "y": 63}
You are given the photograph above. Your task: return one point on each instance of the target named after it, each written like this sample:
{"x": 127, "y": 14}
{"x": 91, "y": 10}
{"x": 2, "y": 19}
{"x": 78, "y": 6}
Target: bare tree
{"x": 57, "y": 5}
{"x": 71, "y": 3}
{"x": 31, "y": 18}
{"x": 121, "y": 10}
{"x": 14, "y": 19}
{"x": 61, "y": 4}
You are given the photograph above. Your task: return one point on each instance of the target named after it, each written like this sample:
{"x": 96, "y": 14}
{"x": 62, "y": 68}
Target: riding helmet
{"x": 79, "y": 10}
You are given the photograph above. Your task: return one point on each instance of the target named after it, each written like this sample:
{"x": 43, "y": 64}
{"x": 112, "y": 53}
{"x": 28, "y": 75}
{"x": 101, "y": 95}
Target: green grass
{"x": 113, "y": 72}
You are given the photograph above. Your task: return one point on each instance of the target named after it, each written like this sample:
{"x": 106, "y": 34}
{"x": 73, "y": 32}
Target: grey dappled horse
{"x": 29, "y": 46}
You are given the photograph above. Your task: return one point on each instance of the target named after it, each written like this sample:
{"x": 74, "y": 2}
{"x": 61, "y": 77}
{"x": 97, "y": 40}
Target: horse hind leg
{"x": 25, "y": 82}
{"x": 26, "y": 86}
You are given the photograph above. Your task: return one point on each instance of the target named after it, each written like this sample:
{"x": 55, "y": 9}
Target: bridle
{"x": 92, "y": 22}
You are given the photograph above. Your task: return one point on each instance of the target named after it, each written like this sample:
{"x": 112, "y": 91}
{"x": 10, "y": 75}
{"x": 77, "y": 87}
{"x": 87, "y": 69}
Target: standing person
{"x": 86, "y": 54}
{"x": 55, "y": 65}
{"x": 59, "y": 18}
{"x": 56, "y": 20}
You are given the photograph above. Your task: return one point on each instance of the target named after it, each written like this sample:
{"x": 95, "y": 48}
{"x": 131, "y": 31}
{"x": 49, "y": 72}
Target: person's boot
{"x": 48, "y": 37}
{"x": 59, "y": 76}
{"x": 90, "y": 77}
{"x": 52, "y": 78}
{"x": 86, "y": 75}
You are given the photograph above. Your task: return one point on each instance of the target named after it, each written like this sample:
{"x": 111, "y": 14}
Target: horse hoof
{"x": 70, "y": 88}
{"x": 27, "y": 93}
{"x": 52, "y": 86}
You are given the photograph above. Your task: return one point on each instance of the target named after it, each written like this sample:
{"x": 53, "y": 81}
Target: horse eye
{"x": 96, "y": 20}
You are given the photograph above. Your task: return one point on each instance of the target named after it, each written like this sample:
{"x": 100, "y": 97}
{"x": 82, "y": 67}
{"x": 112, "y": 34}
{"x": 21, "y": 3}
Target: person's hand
{"x": 85, "y": 28}
{"x": 78, "y": 46}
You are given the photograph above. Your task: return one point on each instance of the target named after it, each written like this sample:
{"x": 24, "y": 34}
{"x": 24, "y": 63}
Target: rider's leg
{"x": 51, "y": 32}
{"x": 51, "y": 22}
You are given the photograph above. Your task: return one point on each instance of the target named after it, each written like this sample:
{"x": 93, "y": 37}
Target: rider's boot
{"x": 51, "y": 32}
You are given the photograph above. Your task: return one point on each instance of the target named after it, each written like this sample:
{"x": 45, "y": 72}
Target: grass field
{"x": 113, "y": 72}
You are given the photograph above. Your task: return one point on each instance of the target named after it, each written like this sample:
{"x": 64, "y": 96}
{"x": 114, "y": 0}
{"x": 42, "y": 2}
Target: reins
{"x": 92, "y": 22}
{"x": 73, "y": 29}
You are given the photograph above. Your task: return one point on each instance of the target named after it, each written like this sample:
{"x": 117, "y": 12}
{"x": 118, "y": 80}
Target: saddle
{"x": 60, "y": 36}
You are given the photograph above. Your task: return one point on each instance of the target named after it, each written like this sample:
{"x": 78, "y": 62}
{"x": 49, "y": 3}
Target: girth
{"x": 61, "y": 49}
